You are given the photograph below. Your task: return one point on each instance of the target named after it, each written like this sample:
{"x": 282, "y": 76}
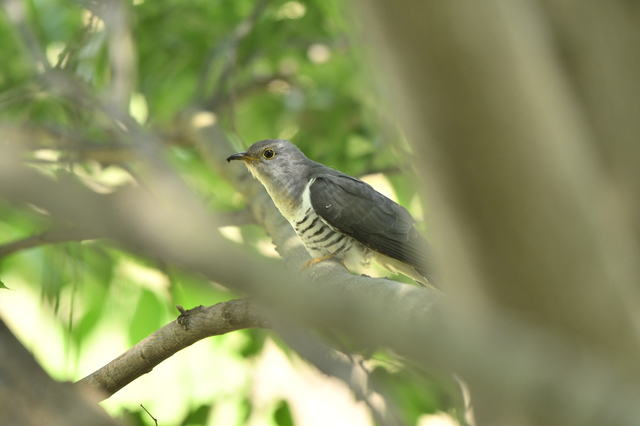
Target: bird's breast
{"x": 320, "y": 238}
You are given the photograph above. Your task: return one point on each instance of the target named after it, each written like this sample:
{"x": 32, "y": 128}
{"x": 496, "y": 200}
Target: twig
{"x": 191, "y": 326}
{"x": 150, "y": 415}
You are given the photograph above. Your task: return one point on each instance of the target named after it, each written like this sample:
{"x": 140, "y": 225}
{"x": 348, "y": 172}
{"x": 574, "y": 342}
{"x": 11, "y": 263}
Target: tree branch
{"x": 52, "y": 236}
{"x": 191, "y": 326}
{"x": 70, "y": 234}
{"x": 31, "y": 398}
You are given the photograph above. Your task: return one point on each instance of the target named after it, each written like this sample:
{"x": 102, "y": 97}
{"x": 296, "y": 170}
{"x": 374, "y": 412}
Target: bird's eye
{"x": 268, "y": 154}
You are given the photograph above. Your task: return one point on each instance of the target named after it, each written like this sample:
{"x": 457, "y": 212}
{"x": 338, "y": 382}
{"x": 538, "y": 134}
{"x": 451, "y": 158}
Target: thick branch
{"x": 193, "y": 325}
{"x": 70, "y": 234}
{"x": 29, "y": 397}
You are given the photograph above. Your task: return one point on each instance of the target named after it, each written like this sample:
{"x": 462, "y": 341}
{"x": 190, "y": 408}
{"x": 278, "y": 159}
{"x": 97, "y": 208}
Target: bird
{"x": 338, "y": 216}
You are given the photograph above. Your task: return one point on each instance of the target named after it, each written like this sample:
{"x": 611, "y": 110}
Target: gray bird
{"x": 336, "y": 215}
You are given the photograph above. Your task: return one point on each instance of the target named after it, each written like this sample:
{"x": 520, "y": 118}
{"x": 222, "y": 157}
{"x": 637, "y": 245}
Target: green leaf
{"x": 147, "y": 318}
{"x": 197, "y": 416}
{"x": 4, "y": 286}
{"x": 409, "y": 391}
{"x": 282, "y": 415}
{"x": 255, "y": 342}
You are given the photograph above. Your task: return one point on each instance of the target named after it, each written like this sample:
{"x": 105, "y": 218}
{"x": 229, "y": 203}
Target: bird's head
{"x": 272, "y": 161}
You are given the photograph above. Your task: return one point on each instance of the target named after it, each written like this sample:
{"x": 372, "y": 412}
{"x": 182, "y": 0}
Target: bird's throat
{"x": 286, "y": 198}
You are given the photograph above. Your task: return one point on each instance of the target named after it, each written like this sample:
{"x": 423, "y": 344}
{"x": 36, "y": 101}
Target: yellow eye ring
{"x": 268, "y": 154}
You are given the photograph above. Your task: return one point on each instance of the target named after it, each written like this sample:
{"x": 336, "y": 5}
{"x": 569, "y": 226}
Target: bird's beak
{"x": 241, "y": 156}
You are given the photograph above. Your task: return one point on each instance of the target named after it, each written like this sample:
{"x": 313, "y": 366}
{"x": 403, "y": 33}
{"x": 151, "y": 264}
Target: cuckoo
{"x": 338, "y": 216}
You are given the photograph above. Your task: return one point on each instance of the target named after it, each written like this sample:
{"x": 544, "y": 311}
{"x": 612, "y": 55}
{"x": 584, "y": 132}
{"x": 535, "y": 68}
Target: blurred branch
{"x": 53, "y": 236}
{"x": 73, "y": 147}
{"x": 31, "y": 398}
{"x": 257, "y": 85}
{"x": 534, "y": 231}
{"x": 234, "y": 218}
{"x": 169, "y": 222}
{"x": 229, "y": 48}
{"x": 122, "y": 56}
{"x": 69, "y": 55}
{"x": 16, "y": 11}
{"x": 191, "y": 326}
{"x": 70, "y": 234}
{"x": 597, "y": 50}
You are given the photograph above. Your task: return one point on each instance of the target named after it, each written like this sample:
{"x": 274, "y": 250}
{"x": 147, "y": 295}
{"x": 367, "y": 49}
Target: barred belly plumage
{"x": 320, "y": 239}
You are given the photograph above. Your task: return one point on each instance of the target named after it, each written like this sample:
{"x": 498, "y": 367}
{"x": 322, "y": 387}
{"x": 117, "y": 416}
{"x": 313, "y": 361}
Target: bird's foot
{"x": 321, "y": 259}
{"x": 316, "y": 260}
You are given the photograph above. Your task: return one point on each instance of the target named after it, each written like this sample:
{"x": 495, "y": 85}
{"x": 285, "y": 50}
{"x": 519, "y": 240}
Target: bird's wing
{"x": 356, "y": 209}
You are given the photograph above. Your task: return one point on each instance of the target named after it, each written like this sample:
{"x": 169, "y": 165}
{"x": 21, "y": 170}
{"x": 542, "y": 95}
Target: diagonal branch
{"x": 52, "y": 236}
{"x": 193, "y": 325}
{"x": 16, "y": 12}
